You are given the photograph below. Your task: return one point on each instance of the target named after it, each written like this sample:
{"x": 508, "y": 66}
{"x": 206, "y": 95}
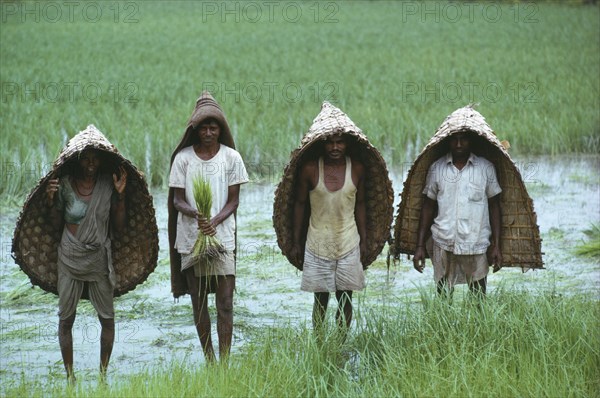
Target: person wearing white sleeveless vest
{"x": 333, "y": 188}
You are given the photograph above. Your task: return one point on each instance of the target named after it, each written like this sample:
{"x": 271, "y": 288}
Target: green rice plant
{"x": 522, "y": 69}
{"x": 510, "y": 344}
{"x": 591, "y": 248}
{"x": 22, "y": 293}
{"x": 206, "y": 247}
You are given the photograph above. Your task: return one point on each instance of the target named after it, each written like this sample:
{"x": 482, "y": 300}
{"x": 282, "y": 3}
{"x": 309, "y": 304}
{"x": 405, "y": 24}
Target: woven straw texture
{"x": 378, "y": 187}
{"x": 520, "y": 240}
{"x": 135, "y": 252}
{"x": 206, "y": 108}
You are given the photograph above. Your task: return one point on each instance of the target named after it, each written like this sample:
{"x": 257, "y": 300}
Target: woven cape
{"x": 134, "y": 252}
{"x": 206, "y": 108}
{"x": 378, "y": 187}
{"x": 520, "y": 238}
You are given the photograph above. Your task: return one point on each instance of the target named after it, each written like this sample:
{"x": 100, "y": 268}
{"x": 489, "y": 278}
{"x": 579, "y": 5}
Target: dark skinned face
{"x": 460, "y": 145}
{"x": 335, "y": 147}
{"x": 208, "y": 133}
{"x": 89, "y": 161}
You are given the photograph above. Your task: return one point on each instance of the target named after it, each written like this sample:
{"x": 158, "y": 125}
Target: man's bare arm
{"x": 360, "y": 209}
{"x": 495, "y": 251}
{"x": 428, "y": 212}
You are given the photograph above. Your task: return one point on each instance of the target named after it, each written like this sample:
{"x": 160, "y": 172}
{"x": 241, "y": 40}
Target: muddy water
{"x": 152, "y": 329}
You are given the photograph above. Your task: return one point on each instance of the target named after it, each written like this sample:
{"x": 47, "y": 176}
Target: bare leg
{"x": 107, "y": 339}
{"x": 224, "y": 303}
{"x": 65, "y": 339}
{"x": 319, "y": 310}
{"x": 199, "y": 296}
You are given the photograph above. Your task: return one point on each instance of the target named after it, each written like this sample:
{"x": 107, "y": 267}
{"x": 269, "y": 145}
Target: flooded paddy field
{"x": 152, "y": 329}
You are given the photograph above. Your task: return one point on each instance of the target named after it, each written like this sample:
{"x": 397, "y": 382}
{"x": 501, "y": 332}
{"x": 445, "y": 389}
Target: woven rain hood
{"x": 520, "y": 240}
{"x": 134, "y": 252}
{"x": 378, "y": 187}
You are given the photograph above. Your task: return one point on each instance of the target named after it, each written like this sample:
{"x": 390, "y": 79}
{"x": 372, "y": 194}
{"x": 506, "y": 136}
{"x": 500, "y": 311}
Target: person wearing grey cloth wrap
{"x": 85, "y": 205}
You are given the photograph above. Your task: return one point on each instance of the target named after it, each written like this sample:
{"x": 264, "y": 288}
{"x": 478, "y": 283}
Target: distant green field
{"x": 135, "y": 69}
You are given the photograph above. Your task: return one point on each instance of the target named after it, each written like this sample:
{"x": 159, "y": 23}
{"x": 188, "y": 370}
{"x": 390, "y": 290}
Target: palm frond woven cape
{"x": 378, "y": 187}
{"x": 134, "y": 252}
{"x": 520, "y": 240}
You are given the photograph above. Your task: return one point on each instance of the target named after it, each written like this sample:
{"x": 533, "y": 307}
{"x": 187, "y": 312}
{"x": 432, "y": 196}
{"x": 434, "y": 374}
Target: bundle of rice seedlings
{"x": 206, "y": 246}
{"x": 591, "y": 248}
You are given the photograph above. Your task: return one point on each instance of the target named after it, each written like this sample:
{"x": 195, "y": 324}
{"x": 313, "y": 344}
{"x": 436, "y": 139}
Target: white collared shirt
{"x": 462, "y": 225}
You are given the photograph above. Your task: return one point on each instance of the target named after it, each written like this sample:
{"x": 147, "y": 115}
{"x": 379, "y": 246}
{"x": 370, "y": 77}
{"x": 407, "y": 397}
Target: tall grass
{"x": 512, "y": 344}
{"x": 396, "y": 74}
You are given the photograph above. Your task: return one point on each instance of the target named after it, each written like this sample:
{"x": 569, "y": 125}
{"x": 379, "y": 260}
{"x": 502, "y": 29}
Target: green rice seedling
{"x": 207, "y": 247}
{"x": 397, "y": 100}
{"x": 510, "y": 344}
{"x": 591, "y": 248}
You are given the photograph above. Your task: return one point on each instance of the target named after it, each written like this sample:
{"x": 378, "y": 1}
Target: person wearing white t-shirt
{"x": 207, "y": 151}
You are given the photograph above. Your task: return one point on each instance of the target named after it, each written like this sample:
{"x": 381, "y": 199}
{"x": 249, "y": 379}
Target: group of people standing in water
{"x": 459, "y": 223}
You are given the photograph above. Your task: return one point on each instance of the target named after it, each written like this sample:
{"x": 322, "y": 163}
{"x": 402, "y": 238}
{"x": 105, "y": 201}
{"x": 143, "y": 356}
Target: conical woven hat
{"x": 330, "y": 121}
{"x": 91, "y": 137}
{"x": 134, "y": 252}
{"x": 520, "y": 240}
{"x": 206, "y": 108}
{"x": 378, "y": 187}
